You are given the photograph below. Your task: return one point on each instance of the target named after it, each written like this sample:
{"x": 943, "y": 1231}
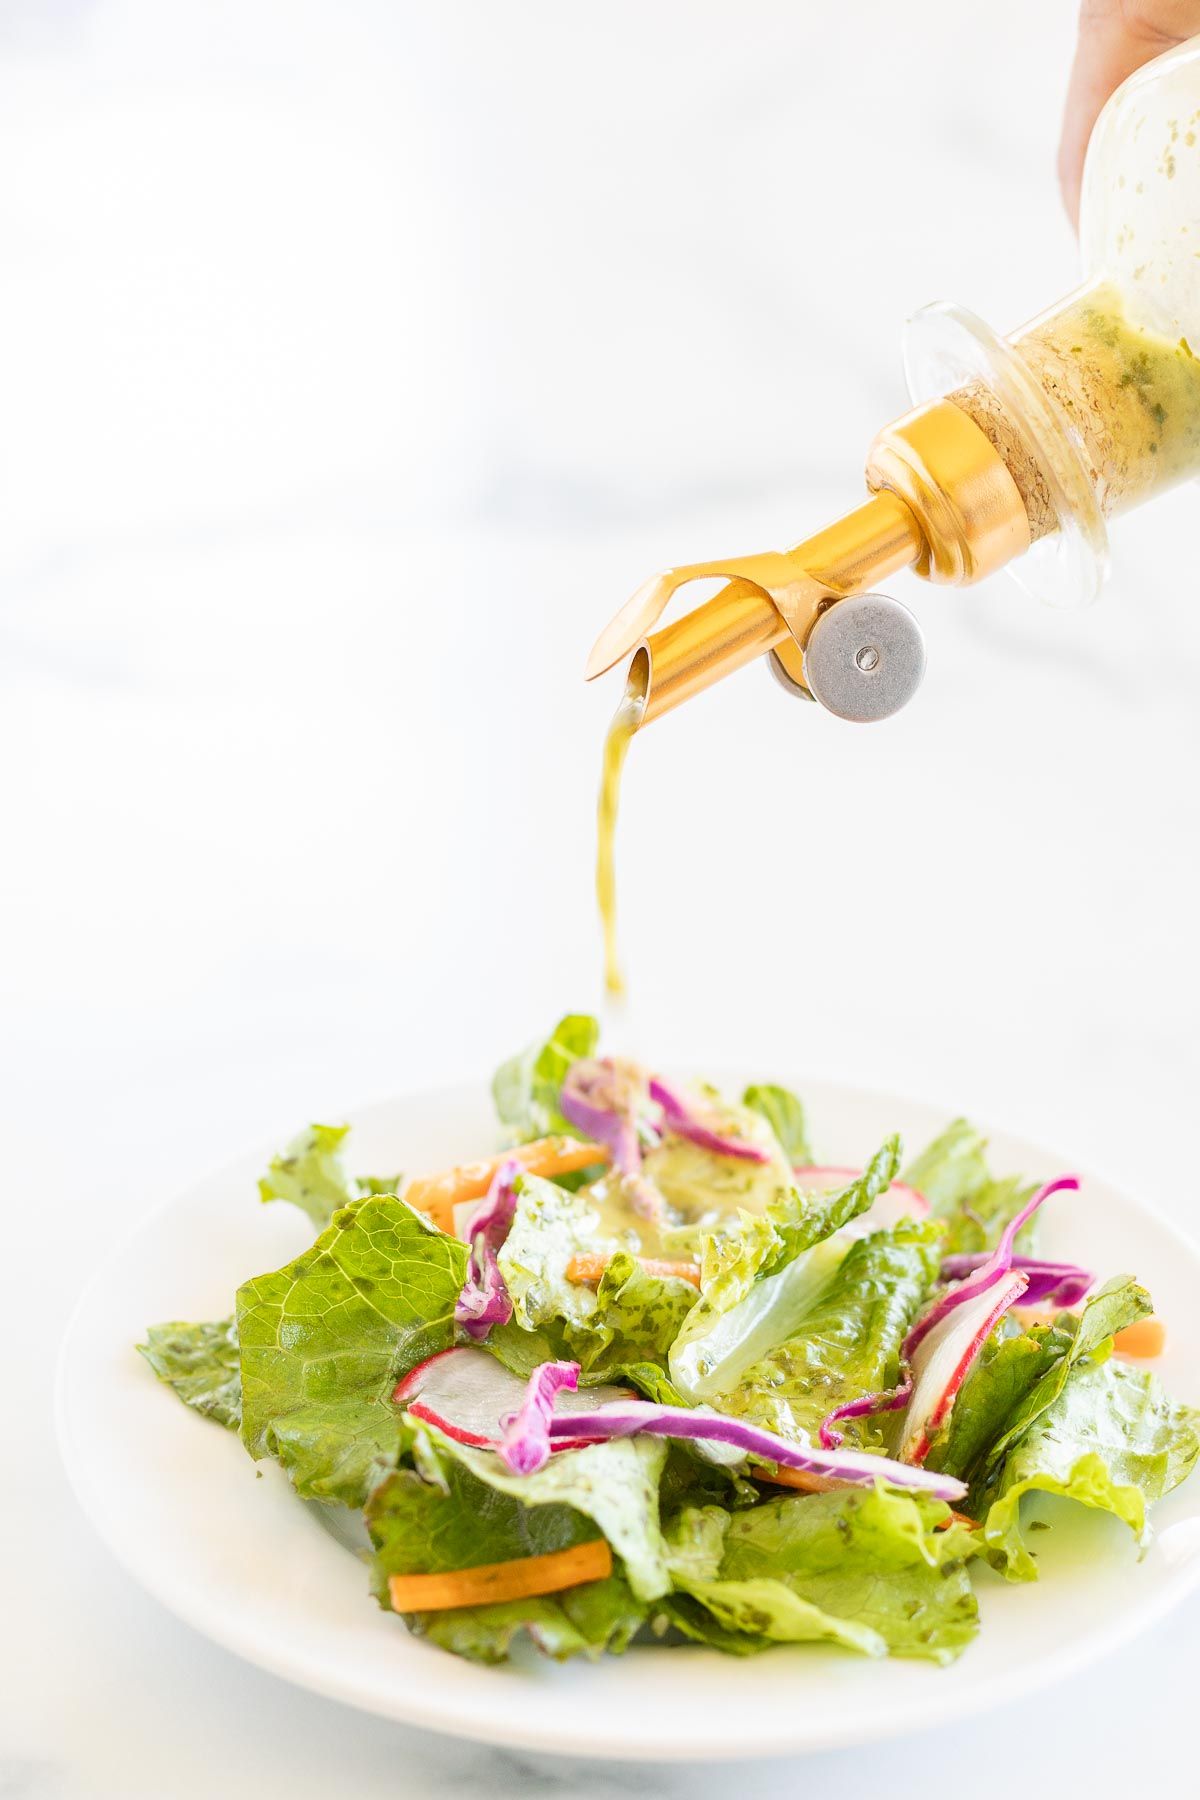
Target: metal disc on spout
{"x": 865, "y": 658}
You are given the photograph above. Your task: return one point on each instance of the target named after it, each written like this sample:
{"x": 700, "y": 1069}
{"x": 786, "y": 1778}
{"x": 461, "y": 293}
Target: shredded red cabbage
{"x": 682, "y": 1117}
{"x": 988, "y": 1272}
{"x": 1065, "y": 1284}
{"x": 525, "y": 1446}
{"x": 890, "y": 1400}
{"x": 610, "y": 1102}
{"x": 528, "y": 1442}
{"x": 617, "y": 1104}
{"x": 484, "y": 1300}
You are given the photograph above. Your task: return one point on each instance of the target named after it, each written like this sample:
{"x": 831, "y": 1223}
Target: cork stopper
{"x": 988, "y": 411}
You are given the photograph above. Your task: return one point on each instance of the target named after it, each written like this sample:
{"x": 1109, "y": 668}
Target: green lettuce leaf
{"x": 461, "y": 1507}
{"x": 954, "y": 1177}
{"x": 1017, "y": 1379}
{"x": 1112, "y": 1440}
{"x": 760, "y": 1274}
{"x": 849, "y": 1343}
{"x": 325, "y": 1339}
{"x": 632, "y": 1323}
{"x": 526, "y": 1089}
{"x": 201, "y": 1363}
{"x": 450, "y": 1515}
{"x": 310, "y": 1174}
{"x": 550, "y": 1226}
{"x": 862, "y": 1568}
{"x": 631, "y": 1316}
{"x": 784, "y": 1113}
{"x": 996, "y": 1394}
{"x": 803, "y": 1218}
{"x": 694, "y": 1180}
{"x": 952, "y": 1168}
{"x": 586, "y": 1621}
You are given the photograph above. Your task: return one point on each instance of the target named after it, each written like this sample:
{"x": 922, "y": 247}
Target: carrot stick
{"x": 438, "y": 1195}
{"x": 802, "y": 1479}
{"x": 520, "y": 1579}
{"x": 587, "y": 1268}
{"x": 1145, "y": 1337}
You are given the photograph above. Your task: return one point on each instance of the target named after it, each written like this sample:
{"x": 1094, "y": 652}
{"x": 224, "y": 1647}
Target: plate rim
{"x": 887, "y": 1719}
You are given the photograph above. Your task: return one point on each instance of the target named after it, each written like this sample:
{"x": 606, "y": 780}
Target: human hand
{"x": 1115, "y": 38}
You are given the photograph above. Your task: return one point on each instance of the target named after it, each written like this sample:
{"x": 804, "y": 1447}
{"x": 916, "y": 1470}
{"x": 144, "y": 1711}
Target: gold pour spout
{"x": 942, "y": 502}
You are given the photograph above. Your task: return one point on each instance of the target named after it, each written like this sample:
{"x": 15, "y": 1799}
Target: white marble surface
{"x": 359, "y": 359}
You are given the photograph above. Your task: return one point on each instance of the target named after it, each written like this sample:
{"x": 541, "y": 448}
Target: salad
{"x": 652, "y": 1373}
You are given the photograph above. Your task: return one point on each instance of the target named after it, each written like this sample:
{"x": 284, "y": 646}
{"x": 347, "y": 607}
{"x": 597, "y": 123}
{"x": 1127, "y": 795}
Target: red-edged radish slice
{"x": 466, "y": 1393}
{"x": 944, "y": 1357}
{"x": 898, "y": 1202}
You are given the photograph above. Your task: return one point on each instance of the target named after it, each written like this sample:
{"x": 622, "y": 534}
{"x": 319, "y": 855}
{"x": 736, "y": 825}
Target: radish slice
{"x": 899, "y": 1202}
{"x": 944, "y": 1357}
{"x": 467, "y": 1394}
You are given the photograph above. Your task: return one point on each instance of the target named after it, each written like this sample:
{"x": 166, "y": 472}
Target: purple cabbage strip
{"x": 680, "y": 1116}
{"x": 484, "y": 1300}
{"x": 628, "y": 1418}
{"x": 1064, "y": 1283}
{"x": 891, "y": 1400}
{"x": 600, "y": 1103}
{"x": 991, "y": 1270}
{"x": 525, "y": 1446}
{"x": 607, "y": 1102}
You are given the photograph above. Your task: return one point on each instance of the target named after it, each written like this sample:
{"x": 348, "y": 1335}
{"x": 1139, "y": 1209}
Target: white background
{"x": 357, "y": 361}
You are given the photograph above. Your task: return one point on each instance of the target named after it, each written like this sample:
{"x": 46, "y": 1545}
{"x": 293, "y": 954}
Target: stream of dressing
{"x": 626, "y": 720}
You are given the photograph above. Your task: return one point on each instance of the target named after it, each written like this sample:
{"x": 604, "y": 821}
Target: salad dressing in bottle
{"x": 1019, "y": 450}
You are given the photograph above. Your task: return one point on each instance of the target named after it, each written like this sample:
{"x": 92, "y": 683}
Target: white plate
{"x": 182, "y": 1507}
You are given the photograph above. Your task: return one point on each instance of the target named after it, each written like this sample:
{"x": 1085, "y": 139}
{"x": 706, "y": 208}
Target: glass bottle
{"x": 1095, "y": 404}
{"x": 1019, "y": 449}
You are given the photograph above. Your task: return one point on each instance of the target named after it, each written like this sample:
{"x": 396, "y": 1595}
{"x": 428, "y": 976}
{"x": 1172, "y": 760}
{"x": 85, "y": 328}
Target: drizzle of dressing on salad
{"x": 698, "y": 1188}
{"x": 626, "y": 720}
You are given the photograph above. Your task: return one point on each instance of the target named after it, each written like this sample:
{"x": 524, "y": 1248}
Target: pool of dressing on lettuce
{"x": 698, "y": 1187}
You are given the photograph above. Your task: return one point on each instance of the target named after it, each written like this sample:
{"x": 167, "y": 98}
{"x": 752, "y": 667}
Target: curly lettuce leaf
{"x": 634, "y": 1321}
{"x": 590, "y": 1620}
{"x": 449, "y": 1516}
{"x": 804, "y": 1217}
{"x": 200, "y": 1362}
{"x": 954, "y": 1177}
{"x": 862, "y": 1568}
{"x": 461, "y": 1507}
{"x": 638, "y": 1315}
{"x": 1017, "y": 1379}
{"x": 526, "y": 1089}
{"x": 550, "y": 1226}
{"x": 1112, "y": 1440}
{"x": 325, "y": 1339}
{"x": 996, "y": 1394}
{"x": 761, "y": 1274}
{"x": 848, "y": 1345}
{"x": 310, "y": 1174}
{"x": 784, "y": 1113}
